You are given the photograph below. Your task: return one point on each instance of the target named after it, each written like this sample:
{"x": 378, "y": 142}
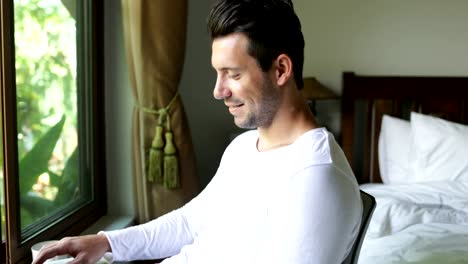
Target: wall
{"x": 118, "y": 107}
{"x": 417, "y": 37}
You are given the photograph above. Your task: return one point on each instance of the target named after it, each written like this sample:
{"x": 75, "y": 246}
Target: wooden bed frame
{"x": 366, "y": 99}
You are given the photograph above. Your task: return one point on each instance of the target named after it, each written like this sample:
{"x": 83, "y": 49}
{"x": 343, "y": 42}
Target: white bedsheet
{"x": 417, "y": 223}
{"x": 421, "y": 243}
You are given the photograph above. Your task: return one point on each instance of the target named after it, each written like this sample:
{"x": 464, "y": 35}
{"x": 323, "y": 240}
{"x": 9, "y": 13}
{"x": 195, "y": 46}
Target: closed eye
{"x": 235, "y": 76}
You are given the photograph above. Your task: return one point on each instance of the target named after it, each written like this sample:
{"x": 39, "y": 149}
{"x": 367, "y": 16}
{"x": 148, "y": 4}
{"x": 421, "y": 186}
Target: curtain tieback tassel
{"x": 163, "y": 163}
{"x": 171, "y": 163}
{"x": 155, "y": 173}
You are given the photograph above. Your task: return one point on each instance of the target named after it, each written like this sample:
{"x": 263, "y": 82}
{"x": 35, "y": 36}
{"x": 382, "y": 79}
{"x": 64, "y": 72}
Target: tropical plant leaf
{"x": 69, "y": 180}
{"x": 35, "y": 206}
{"x": 54, "y": 178}
{"x": 36, "y": 161}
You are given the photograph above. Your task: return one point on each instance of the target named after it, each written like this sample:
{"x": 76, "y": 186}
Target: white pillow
{"x": 394, "y": 150}
{"x": 440, "y": 149}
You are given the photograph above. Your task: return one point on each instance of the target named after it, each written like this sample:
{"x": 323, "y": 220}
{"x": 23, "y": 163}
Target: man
{"x": 283, "y": 192}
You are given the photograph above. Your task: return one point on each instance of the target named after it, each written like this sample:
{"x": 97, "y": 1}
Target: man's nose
{"x": 221, "y": 91}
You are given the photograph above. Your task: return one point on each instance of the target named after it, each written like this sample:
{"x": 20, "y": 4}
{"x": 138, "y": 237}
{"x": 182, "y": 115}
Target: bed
{"x": 406, "y": 138}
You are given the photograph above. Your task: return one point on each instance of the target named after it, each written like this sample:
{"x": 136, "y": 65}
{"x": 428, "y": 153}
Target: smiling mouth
{"x": 233, "y": 108}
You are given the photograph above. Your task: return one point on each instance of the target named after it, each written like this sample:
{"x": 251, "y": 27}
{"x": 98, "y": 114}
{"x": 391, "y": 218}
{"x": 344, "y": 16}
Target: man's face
{"x": 249, "y": 93}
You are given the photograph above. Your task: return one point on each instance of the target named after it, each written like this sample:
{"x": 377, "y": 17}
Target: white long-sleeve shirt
{"x": 295, "y": 204}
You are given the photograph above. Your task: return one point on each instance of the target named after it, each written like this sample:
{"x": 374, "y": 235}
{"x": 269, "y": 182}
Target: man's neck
{"x": 287, "y": 126}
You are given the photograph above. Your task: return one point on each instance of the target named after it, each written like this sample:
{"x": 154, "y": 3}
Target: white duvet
{"x": 417, "y": 223}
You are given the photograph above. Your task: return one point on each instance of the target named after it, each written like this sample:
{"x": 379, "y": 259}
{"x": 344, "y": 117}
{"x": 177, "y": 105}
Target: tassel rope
{"x": 171, "y": 162}
{"x": 155, "y": 173}
{"x": 162, "y": 167}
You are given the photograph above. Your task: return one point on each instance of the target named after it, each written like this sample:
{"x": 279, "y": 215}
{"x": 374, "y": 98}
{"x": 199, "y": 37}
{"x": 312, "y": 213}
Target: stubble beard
{"x": 264, "y": 113}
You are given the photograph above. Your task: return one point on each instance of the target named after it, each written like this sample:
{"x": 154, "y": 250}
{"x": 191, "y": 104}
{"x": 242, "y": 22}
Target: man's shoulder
{"x": 318, "y": 150}
{"x": 242, "y": 142}
{"x": 247, "y": 136}
{"x": 314, "y": 147}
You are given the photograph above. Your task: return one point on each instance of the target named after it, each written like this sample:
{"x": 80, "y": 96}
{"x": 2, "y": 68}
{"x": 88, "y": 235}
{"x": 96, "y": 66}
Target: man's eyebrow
{"x": 226, "y": 68}
{"x": 230, "y": 69}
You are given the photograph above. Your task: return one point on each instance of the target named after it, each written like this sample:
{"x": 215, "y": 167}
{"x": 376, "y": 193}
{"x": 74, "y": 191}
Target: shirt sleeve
{"x": 317, "y": 218}
{"x": 156, "y": 239}
{"x": 166, "y": 235}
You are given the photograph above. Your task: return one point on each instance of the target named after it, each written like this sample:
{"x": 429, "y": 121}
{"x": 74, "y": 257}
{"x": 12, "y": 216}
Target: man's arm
{"x": 166, "y": 235}
{"x": 159, "y": 238}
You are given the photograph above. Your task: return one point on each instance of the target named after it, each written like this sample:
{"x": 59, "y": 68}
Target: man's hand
{"x": 85, "y": 249}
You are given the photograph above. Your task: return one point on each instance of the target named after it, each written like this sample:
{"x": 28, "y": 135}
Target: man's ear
{"x": 283, "y": 69}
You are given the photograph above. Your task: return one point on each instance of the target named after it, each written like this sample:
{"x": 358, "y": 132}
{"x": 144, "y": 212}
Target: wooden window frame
{"x": 15, "y": 250}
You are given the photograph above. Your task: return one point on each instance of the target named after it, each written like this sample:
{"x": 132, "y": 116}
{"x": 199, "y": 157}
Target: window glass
{"x": 47, "y": 111}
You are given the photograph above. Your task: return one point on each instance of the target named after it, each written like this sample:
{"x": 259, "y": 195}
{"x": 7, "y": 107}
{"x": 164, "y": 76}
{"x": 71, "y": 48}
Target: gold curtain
{"x": 155, "y": 35}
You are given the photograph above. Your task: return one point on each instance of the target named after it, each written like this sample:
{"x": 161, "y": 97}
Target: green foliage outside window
{"x": 34, "y": 164}
{"x": 46, "y": 89}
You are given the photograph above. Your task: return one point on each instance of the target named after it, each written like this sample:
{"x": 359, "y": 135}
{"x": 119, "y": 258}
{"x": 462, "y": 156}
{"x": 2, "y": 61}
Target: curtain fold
{"x": 155, "y": 36}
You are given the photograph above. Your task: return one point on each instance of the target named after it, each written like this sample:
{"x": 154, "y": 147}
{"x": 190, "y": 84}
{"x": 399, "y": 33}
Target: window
{"x": 52, "y": 177}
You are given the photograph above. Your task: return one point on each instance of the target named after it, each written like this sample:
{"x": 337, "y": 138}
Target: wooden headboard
{"x": 365, "y": 99}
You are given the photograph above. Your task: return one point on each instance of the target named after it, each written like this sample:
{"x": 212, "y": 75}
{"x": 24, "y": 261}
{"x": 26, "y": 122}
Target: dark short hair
{"x": 271, "y": 26}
